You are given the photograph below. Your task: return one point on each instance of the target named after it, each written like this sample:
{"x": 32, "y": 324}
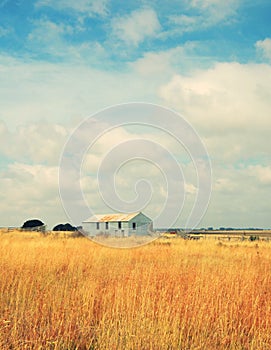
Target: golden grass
{"x": 124, "y": 242}
{"x": 69, "y": 293}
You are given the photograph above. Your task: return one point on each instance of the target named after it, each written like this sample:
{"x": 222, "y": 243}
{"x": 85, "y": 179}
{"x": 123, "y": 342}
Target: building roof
{"x": 112, "y": 217}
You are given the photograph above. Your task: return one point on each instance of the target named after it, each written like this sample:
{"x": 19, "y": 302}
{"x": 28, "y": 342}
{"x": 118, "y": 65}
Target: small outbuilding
{"x": 119, "y": 225}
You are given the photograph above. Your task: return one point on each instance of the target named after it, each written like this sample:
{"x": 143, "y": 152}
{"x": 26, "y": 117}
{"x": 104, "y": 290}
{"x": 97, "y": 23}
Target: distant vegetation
{"x": 38, "y": 225}
{"x": 32, "y": 223}
{"x": 64, "y": 227}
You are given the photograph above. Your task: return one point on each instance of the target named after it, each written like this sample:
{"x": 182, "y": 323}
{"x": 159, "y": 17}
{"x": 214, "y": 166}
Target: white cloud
{"x": 136, "y": 27}
{"x": 215, "y": 10}
{"x": 126, "y": 179}
{"x": 51, "y": 29}
{"x": 224, "y": 185}
{"x": 190, "y": 188}
{"x": 163, "y": 64}
{"x": 128, "y": 173}
{"x": 264, "y": 46}
{"x": 228, "y": 104}
{"x": 205, "y": 14}
{"x": 184, "y": 23}
{"x": 30, "y": 191}
{"x": 159, "y": 67}
{"x": 58, "y": 92}
{"x": 34, "y": 143}
{"x": 88, "y": 7}
{"x": 239, "y": 197}
{"x": 226, "y": 98}
{"x": 52, "y": 90}
{"x": 262, "y": 173}
{"x": 50, "y": 38}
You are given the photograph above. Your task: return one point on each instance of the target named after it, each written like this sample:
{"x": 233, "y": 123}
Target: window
{"x": 107, "y": 225}
{"x": 119, "y": 224}
{"x": 134, "y": 225}
{"x": 97, "y": 225}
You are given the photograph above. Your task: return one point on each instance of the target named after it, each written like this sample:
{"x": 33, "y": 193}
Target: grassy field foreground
{"x": 70, "y": 293}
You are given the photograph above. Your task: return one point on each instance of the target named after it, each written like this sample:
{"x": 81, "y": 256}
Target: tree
{"x": 64, "y": 227}
{"x": 34, "y": 225}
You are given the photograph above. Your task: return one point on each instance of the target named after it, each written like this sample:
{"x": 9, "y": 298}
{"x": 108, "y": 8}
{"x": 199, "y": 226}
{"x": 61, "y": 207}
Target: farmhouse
{"x": 119, "y": 224}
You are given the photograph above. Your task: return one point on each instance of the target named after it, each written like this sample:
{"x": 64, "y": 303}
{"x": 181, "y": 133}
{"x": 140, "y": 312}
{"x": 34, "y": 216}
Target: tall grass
{"x": 70, "y": 293}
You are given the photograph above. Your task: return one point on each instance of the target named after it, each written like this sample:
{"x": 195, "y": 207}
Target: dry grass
{"x": 124, "y": 242}
{"x": 58, "y": 293}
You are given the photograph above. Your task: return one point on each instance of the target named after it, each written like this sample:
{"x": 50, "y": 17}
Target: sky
{"x": 63, "y": 61}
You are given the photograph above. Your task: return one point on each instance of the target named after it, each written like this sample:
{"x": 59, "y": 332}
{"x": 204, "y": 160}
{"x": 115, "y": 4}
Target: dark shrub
{"x": 32, "y": 223}
{"x": 64, "y": 227}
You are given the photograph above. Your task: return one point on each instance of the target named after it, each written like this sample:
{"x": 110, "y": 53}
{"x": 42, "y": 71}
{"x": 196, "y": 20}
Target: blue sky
{"x": 221, "y": 32}
{"x": 61, "y": 61}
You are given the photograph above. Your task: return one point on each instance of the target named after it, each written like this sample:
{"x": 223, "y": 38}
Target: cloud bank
{"x": 65, "y": 60}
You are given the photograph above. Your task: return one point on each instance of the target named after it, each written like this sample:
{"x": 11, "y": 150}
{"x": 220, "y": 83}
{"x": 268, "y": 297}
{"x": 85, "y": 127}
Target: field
{"x": 70, "y": 293}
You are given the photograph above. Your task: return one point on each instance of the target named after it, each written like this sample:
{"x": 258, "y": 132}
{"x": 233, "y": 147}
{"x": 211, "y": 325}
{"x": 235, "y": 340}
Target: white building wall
{"x": 142, "y": 226}
{"x": 113, "y": 228}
